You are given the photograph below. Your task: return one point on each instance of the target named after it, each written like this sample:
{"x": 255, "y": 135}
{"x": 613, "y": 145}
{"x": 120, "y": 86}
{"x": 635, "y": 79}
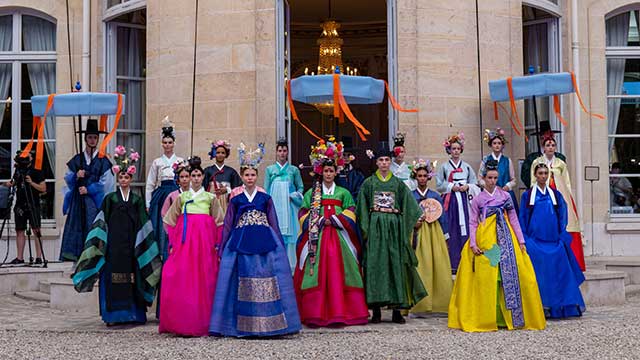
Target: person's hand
{"x": 506, "y": 188}
{"x": 80, "y": 174}
{"x": 455, "y": 188}
{"x": 221, "y": 191}
{"x": 82, "y": 190}
{"x": 476, "y": 250}
{"x": 327, "y": 222}
{"x": 464, "y": 188}
{"x": 523, "y": 248}
{"x": 8, "y": 183}
{"x": 28, "y": 180}
{"x": 418, "y": 224}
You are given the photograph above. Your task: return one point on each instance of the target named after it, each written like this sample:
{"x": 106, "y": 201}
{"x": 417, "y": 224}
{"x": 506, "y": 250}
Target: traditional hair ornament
{"x": 329, "y": 152}
{"x": 383, "y": 151}
{"x": 125, "y": 161}
{"x": 167, "y": 129}
{"x": 219, "y": 143}
{"x": 548, "y": 135}
{"x": 194, "y": 163}
{"x": 490, "y": 165}
{"x": 490, "y": 135}
{"x": 398, "y": 143}
{"x": 282, "y": 142}
{"x": 421, "y": 164}
{"x": 250, "y": 159}
{"x": 455, "y": 138}
{"x": 179, "y": 166}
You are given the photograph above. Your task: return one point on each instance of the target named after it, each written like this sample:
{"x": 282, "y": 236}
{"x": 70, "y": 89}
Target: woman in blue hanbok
{"x": 254, "y": 294}
{"x": 506, "y": 173}
{"x": 543, "y": 218}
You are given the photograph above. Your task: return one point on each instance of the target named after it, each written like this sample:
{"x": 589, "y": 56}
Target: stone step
{"x": 33, "y": 296}
{"x": 629, "y": 264}
{"x": 45, "y": 286}
{"x": 18, "y": 279}
{"x": 65, "y": 297}
{"x": 632, "y": 290}
{"x": 603, "y": 287}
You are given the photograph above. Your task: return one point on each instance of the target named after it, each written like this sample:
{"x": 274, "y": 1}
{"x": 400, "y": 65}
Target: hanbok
{"x": 559, "y": 180}
{"x": 456, "y": 204}
{"x": 284, "y": 184}
{"x": 351, "y": 179}
{"x": 160, "y": 183}
{"x": 497, "y": 288}
{"x": 386, "y": 214}
{"x": 543, "y": 217}
{"x": 217, "y": 177}
{"x": 506, "y": 174}
{"x": 191, "y": 270}
{"x": 99, "y": 181}
{"x": 121, "y": 251}
{"x": 434, "y": 266}
{"x": 330, "y": 290}
{"x": 255, "y": 294}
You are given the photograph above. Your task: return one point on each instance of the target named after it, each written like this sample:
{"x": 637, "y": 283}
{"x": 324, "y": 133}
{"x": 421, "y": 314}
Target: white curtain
{"x": 617, "y": 35}
{"x": 536, "y": 54}
{"x": 6, "y": 24}
{"x": 131, "y": 62}
{"x": 40, "y": 35}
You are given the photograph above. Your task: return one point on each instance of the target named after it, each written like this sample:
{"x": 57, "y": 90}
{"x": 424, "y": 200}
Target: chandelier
{"x": 330, "y": 58}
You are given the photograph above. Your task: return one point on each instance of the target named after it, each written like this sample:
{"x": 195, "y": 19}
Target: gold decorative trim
{"x": 253, "y": 217}
{"x": 122, "y": 278}
{"x": 258, "y": 290}
{"x": 261, "y": 324}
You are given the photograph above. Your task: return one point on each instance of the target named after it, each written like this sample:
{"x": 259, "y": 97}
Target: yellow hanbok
{"x": 478, "y": 298}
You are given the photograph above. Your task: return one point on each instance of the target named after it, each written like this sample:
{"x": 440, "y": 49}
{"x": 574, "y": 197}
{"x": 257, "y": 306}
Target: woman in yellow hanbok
{"x": 495, "y": 284}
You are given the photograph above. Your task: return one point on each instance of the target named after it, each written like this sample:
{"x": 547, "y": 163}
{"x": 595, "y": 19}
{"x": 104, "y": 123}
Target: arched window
{"x": 27, "y": 68}
{"x": 623, "y": 110}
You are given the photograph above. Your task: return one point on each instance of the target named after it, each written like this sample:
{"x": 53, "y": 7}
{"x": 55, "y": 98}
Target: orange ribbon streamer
{"x": 584, "y": 108}
{"x": 107, "y": 138}
{"x": 393, "y": 101}
{"x": 103, "y": 123}
{"x": 38, "y": 123}
{"x": 294, "y": 114}
{"x": 514, "y": 109}
{"x": 342, "y": 103}
{"x": 556, "y": 110}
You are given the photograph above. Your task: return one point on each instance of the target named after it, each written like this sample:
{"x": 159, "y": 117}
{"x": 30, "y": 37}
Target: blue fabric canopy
{"x": 355, "y": 89}
{"x": 546, "y": 84}
{"x": 77, "y": 103}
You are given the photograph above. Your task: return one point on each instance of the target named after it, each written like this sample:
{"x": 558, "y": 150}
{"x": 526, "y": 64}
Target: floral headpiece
{"x": 125, "y": 161}
{"x": 490, "y": 135}
{"x": 218, "y": 143}
{"x": 548, "y": 135}
{"x": 250, "y": 159}
{"x": 329, "y": 152}
{"x": 421, "y": 164}
{"x": 455, "y": 138}
{"x": 179, "y": 166}
{"x": 168, "y": 128}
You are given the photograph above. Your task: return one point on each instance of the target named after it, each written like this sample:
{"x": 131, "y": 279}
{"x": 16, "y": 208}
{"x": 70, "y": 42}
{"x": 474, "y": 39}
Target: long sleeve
{"x": 480, "y": 172}
{"x": 474, "y": 213}
{"x": 151, "y": 183}
{"x": 524, "y": 212}
{"x": 227, "y": 225}
{"x": 235, "y": 179}
{"x": 532, "y": 178}
{"x": 104, "y": 185}
{"x": 267, "y": 180}
{"x": 512, "y": 176}
{"x": 444, "y": 222}
{"x": 273, "y": 220}
{"x": 171, "y": 217}
{"x": 215, "y": 210}
{"x": 362, "y": 209}
{"x": 471, "y": 178}
{"x": 515, "y": 224}
{"x": 442, "y": 184}
{"x": 565, "y": 177}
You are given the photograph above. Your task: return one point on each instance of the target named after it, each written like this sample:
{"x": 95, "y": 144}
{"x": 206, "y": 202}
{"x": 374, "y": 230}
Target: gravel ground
{"x": 30, "y": 330}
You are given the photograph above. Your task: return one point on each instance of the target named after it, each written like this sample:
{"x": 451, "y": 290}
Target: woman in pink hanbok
{"x": 191, "y": 270}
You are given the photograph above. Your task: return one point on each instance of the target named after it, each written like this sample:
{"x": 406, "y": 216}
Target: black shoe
{"x": 16, "y": 261}
{"x": 397, "y": 318}
{"x": 38, "y": 261}
{"x": 377, "y": 316}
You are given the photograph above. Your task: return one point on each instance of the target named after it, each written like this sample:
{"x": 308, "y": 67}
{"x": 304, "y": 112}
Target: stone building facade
{"x": 439, "y": 55}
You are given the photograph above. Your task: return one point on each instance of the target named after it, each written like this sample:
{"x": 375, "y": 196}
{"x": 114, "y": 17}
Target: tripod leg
{"x": 39, "y": 238}
{"x": 28, "y": 233}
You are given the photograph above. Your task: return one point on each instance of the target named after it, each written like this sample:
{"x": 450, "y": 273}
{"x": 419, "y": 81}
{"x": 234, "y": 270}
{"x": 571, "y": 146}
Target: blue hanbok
{"x": 543, "y": 218}
{"x": 99, "y": 181}
{"x": 254, "y": 293}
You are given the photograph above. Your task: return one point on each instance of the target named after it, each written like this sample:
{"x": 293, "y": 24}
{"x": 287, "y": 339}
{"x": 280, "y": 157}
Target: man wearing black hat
{"x": 350, "y": 177}
{"x": 525, "y": 171}
{"x": 88, "y": 179}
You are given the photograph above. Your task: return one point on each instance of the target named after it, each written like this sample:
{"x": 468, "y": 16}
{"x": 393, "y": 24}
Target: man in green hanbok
{"x": 386, "y": 213}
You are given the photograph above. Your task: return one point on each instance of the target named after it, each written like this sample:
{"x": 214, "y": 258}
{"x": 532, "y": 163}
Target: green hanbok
{"x": 386, "y": 213}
